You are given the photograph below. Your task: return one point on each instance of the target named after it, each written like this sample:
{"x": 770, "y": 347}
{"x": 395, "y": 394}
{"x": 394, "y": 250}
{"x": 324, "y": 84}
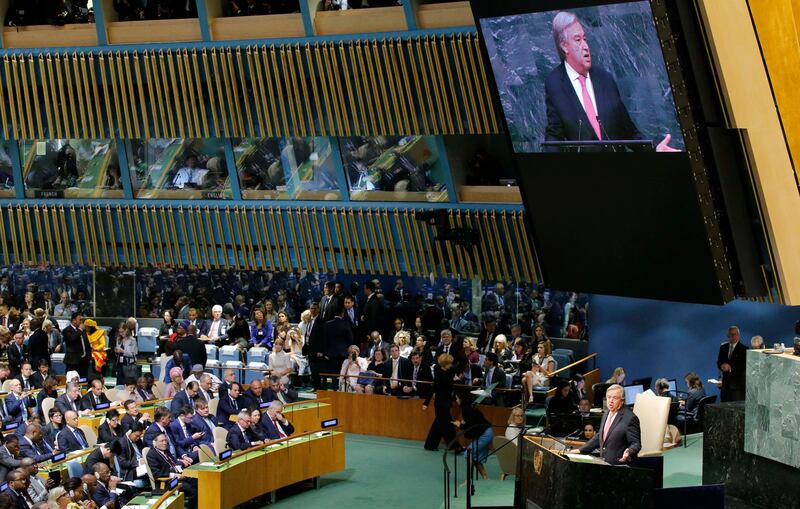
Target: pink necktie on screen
{"x": 589, "y": 107}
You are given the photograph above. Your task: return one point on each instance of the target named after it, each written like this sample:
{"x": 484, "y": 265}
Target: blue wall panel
{"x": 669, "y": 339}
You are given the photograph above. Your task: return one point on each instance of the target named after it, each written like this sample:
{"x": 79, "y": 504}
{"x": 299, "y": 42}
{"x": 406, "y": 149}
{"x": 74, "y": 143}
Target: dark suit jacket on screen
{"x": 566, "y": 118}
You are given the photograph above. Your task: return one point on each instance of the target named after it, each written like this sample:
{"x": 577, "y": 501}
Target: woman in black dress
{"x": 442, "y": 426}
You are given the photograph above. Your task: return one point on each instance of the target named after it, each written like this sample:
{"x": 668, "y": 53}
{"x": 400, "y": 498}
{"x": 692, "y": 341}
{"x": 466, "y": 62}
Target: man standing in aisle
{"x": 731, "y": 361}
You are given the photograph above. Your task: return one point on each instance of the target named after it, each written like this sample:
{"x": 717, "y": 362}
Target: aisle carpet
{"x": 385, "y": 472}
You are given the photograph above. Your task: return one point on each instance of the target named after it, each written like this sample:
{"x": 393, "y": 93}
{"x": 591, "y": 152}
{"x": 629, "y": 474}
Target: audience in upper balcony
{"x": 260, "y": 7}
{"x": 134, "y": 10}
{"x": 48, "y": 12}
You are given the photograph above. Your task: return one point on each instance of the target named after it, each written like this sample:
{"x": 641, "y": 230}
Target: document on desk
{"x": 141, "y": 470}
{"x": 583, "y": 458}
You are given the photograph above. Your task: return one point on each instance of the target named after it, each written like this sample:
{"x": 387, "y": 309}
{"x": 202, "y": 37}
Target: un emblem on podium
{"x": 538, "y": 458}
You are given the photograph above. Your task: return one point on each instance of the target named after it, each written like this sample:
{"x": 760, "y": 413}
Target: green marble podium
{"x": 772, "y": 407}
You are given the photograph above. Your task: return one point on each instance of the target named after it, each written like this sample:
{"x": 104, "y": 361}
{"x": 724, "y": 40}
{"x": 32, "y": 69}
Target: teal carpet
{"x": 380, "y": 472}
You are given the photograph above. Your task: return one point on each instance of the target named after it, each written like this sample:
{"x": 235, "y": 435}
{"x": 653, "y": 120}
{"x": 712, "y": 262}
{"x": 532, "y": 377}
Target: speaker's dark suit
{"x": 623, "y": 434}
{"x": 567, "y": 119}
{"x": 733, "y": 382}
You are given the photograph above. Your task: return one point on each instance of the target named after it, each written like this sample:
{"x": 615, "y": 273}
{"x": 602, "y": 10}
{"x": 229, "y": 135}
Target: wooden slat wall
{"x": 354, "y": 241}
{"x": 391, "y": 86}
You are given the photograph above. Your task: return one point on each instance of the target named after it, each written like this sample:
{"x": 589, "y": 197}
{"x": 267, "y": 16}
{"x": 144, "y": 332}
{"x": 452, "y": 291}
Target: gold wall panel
{"x": 390, "y": 86}
{"x": 355, "y": 241}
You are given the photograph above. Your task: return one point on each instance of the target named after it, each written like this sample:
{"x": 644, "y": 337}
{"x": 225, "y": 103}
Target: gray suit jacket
{"x": 7, "y": 462}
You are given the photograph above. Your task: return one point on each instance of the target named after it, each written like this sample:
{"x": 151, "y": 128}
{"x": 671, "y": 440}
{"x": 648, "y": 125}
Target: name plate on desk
{"x": 225, "y": 455}
{"x": 102, "y": 406}
{"x": 58, "y": 457}
{"x": 11, "y": 425}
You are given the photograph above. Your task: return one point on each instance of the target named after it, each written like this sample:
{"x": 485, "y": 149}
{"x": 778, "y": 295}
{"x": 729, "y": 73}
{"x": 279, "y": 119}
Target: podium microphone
{"x": 580, "y": 125}
{"x": 605, "y": 134}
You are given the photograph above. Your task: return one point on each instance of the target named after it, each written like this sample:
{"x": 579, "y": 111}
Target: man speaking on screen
{"x": 583, "y": 102}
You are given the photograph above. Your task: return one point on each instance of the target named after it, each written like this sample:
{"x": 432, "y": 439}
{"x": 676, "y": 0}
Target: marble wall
{"x": 623, "y": 41}
{"x": 772, "y": 416}
{"x": 752, "y": 479}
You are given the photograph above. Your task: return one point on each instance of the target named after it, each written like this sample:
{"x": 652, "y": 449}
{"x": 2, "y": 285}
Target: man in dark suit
{"x": 447, "y": 345}
{"x": 229, "y": 377}
{"x": 338, "y": 337}
{"x": 419, "y": 372}
{"x": 94, "y": 397}
{"x": 275, "y": 425}
{"x": 42, "y": 372}
{"x": 130, "y": 455}
{"x": 399, "y": 369}
{"x": 161, "y": 425}
{"x": 78, "y": 351}
{"x": 372, "y": 310}
{"x": 17, "y": 354}
{"x": 230, "y": 405}
{"x": 132, "y": 416}
{"x": 584, "y": 105}
{"x": 193, "y": 347}
{"x": 70, "y": 400}
{"x": 184, "y": 398}
{"x": 37, "y": 343}
{"x": 487, "y": 335}
{"x": 493, "y": 374}
{"x": 205, "y": 422}
{"x": 351, "y": 316}
{"x": 33, "y": 444}
{"x": 71, "y": 438}
{"x": 105, "y": 494}
{"x": 184, "y": 433}
{"x": 732, "y": 362}
{"x": 277, "y": 390}
{"x": 255, "y": 395}
{"x": 240, "y": 436}
{"x": 375, "y": 343}
{"x": 619, "y": 436}
{"x": 163, "y": 464}
{"x": 18, "y": 490}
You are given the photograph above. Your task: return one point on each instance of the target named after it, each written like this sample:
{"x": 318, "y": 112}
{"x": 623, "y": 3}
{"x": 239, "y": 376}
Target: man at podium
{"x": 618, "y": 437}
{"x": 584, "y": 105}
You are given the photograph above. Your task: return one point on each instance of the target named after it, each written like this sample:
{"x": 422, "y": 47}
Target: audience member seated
{"x": 229, "y": 406}
{"x": 470, "y": 352}
{"x": 516, "y": 424}
{"x": 588, "y": 432}
{"x": 542, "y": 365}
{"x": 9, "y": 455}
{"x": 178, "y": 360}
{"x": 111, "y": 429}
{"x": 144, "y": 387}
{"x": 183, "y": 399}
{"x": 584, "y": 407}
{"x": 94, "y": 397}
{"x": 16, "y": 404}
{"x": 274, "y": 423}
{"x": 689, "y": 405}
{"x": 176, "y": 383}
{"x": 23, "y": 13}
{"x": 105, "y": 491}
{"x": 501, "y": 348}
{"x": 133, "y": 415}
{"x": 240, "y": 436}
{"x": 130, "y": 456}
{"x": 202, "y": 420}
{"x": 54, "y": 427}
{"x": 278, "y": 391}
{"x": 164, "y": 464}
{"x": 493, "y": 374}
{"x": 662, "y": 389}
{"x": 397, "y": 368}
{"x": 18, "y": 489}
{"x": 185, "y": 435}
{"x": 562, "y": 402}
{"x": 375, "y": 343}
{"x": 255, "y": 424}
{"x": 35, "y": 445}
{"x": 757, "y": 343}
{"x": 37, "y": 487}
{"x": 161, "y": 424}
{"x": 71, "y": 438}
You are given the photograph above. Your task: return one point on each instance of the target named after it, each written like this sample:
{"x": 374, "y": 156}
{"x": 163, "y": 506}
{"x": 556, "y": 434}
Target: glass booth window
{"x": 286, "y": 168}
{"x": 71, "y": 168}
{"x": 6, "y": 172}
{"x": 393, "y": 168}
{"x": 176, "y": 168}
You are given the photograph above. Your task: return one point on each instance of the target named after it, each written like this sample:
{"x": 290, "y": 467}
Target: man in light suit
{"x": 583, "y": 101}
{"x": 9, "y": 455}
{"x": 619, "y": 436}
